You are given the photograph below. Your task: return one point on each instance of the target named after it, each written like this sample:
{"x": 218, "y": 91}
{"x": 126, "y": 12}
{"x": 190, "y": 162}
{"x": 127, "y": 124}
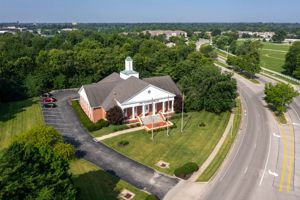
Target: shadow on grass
{"x": 9, "y": 110}
{"x": 96, "y": 185}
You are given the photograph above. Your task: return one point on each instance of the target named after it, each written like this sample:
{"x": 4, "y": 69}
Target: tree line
{"x": 31, "y": 64}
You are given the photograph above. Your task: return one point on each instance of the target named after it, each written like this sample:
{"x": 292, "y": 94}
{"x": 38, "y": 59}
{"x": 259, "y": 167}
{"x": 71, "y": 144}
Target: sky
{"x": 149, "y": 11}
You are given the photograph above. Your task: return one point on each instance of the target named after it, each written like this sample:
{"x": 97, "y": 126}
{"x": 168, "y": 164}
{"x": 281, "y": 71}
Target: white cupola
{"x": 128, "y": 72}
{"x": 128, "y": 63}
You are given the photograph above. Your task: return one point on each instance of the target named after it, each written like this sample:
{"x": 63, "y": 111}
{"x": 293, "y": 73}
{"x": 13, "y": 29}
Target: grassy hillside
{"x": 18, "y": 117}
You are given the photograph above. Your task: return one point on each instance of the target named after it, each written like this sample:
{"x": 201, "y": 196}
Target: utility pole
{"x": 152, "y": 134}
{"x": 182, "y": 113}
{"x": 168, "y": 118}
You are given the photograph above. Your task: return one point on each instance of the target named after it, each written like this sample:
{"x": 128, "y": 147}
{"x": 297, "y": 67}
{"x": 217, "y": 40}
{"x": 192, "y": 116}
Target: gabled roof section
{"x": 124, "y": 91}
{"x": 111, "y": 78}
{"x": 164, "y": 82}
{"x": 106, "y": 92}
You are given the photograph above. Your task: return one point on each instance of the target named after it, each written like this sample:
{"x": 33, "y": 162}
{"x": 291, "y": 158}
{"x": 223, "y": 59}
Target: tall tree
{"x": 28, "y": 172}
{"x": 279, "y": 96}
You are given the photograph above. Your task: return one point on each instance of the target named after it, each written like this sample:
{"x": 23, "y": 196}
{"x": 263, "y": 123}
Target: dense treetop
{"x": 31, "y": 64}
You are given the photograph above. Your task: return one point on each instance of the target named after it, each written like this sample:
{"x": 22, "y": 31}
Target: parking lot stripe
{"x": 284, "y": 158}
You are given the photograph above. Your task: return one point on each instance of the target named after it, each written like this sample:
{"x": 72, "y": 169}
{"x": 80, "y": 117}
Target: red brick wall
{"x": 95, "y": 114}
{"x": 98, "y": 113}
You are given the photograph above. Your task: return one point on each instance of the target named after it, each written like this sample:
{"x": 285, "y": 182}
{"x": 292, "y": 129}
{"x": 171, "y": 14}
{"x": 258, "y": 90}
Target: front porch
{"x": 132, "y": 113}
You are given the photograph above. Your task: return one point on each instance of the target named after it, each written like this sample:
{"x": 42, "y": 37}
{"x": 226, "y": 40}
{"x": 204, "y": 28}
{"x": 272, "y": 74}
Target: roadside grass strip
{"x": 282, "y": 178}
{"x": 213, "y": 167}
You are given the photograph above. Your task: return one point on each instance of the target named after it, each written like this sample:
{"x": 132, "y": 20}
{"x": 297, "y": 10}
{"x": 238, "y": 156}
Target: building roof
{"x": 164, "y": 82}
{"x": 105, "y": 92}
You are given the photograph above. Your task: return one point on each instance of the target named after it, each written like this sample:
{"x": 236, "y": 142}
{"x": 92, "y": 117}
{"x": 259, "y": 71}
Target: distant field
{"x": 273, "y": 55}
{"x": 18, "y": 117}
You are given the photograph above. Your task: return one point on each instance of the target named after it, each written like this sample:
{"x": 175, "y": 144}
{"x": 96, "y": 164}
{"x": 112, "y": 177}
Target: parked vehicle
{"x": 46, "y": 94}
{"x": 49, "y": 100}
{"x": 49, "y": 105}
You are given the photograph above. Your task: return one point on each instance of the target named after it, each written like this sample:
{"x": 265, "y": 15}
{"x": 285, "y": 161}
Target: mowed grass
{"x": 18, "y": 117}
{"x": 194, "y": 145}
{"x": 213, "y": 167}
{"x": 272, "y": 55}
{"x": 94, "y": 183}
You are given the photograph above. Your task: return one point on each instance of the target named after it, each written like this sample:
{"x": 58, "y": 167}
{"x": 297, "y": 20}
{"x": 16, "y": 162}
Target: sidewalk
{"x": 195, "y": 176}
{"x": 119, "y": 133}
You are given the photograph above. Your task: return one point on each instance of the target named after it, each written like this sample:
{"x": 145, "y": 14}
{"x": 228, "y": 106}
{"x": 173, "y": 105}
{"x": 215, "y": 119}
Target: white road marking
{"x": 275, "y": 135}
{"x": 273, "y": 173}
{"x": 296, "y": 124}
{"x": 245, "y": 171}
{"x": 262, "y": 177}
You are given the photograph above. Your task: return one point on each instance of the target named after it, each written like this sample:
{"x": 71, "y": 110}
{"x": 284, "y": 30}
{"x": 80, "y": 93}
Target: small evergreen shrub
{"x": 202, "y": 124}
{"x": 123, "y": 143}
{"x": 186, "y": 169}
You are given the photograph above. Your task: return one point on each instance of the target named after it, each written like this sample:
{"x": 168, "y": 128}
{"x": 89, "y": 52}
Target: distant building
{"x": 265, "y": 35}
{"x": 13, "y": 29}
{"x": 69, "y": 29}
{"x": 168, "y": 33}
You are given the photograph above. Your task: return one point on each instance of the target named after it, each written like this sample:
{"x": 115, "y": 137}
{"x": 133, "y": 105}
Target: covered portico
{"x": 153, "y": 107}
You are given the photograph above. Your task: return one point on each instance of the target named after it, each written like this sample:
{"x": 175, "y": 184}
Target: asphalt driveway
{"x": 65, "y": 121}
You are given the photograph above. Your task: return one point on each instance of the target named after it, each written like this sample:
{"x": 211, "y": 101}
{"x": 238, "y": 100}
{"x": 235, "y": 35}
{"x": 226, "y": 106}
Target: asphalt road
{"x": 65, "y": 121}
{"x": 254, "y": 168}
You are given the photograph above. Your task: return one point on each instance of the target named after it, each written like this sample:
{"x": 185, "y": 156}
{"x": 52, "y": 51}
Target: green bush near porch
{"x": 87, "y": 123}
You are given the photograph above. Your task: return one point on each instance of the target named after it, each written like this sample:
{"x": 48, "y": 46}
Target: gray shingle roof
{"x": 165, "y": 83}
{"x": 105, "y": 92}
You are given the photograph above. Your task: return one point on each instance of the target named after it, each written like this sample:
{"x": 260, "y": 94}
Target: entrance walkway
{"x": 130, "y": 130}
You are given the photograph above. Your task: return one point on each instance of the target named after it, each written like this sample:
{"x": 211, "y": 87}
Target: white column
{"x": 143, "y": 106}
{"x": 133, "y": 114}
{"x": 172, "y": 108}
{"x": 163, "y": 107}
{"x": 153, "y": 108}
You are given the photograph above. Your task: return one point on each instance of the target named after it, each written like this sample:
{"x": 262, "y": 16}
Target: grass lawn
{"x": 194, "y": 145}
{"x": 221, "y": 155}
{"x": 272, "y": 55}
{"x": 94, "y": 183}
{"x": 18, "y": 117}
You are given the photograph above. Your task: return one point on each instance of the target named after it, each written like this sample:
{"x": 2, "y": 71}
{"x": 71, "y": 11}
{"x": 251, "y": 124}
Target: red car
{"x": 49, "y": 100}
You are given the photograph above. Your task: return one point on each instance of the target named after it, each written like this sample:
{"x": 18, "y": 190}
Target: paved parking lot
{"x": 63, "y": 119}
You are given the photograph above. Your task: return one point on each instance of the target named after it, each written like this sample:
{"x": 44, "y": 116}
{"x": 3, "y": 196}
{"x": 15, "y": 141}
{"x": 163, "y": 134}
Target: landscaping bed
{"x": 86, "y": 122}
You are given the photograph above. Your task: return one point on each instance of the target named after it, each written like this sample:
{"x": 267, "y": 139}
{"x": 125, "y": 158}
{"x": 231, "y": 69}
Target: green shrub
{"x": 202, "y": 124}
{"x": 151, "y": 197}
{"x": 86, "y": 122}
{"x": 186, "y": 169}
{"x": 123, "y": 143}
{"x": 119, "y": 127}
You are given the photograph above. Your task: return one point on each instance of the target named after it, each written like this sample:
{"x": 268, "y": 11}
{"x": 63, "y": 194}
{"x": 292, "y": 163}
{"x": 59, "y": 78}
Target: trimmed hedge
{"x": 86, "y": 122}
{"x": 186, "y": 169}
